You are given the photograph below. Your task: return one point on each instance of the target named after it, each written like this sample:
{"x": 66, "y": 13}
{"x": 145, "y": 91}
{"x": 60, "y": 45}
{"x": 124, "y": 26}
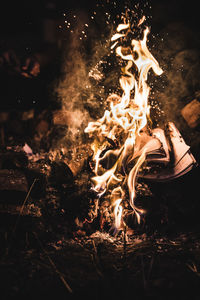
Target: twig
{"x": 94, "y": 246}
{"x": 53, "y": 265}
{"x": 95, "y": 259}
{"x": 193, "y": 268}
{"x": 20, "y": 213}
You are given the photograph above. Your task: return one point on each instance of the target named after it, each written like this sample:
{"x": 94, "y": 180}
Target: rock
{"x": 191, "y": 113}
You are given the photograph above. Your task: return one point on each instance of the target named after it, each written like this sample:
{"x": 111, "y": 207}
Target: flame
{"x": 141, "y": 21}
{"x": 122, "y": 123}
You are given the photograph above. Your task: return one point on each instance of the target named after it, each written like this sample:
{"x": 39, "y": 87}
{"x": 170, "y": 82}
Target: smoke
{"x": 71, "y": 88}
{"x": 91, "y": 73}
{"x": 83, "y": 86}
{"x": 91, "y": 70}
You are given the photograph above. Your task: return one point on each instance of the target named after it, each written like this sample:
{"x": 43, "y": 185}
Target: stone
{"x": 191, "y": 113}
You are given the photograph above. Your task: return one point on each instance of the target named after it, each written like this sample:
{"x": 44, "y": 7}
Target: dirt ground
{"x": 45, "y": 254}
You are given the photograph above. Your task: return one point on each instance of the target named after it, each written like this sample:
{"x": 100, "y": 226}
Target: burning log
{"x": 79, "y": 158}
{"x": 74, "y": 158}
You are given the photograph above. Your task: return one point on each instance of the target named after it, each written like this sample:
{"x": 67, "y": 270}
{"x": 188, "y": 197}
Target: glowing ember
{"x": 115, "y": 134}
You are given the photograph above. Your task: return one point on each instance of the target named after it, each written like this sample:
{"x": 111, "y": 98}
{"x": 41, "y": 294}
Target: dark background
{"x": 26, "y": 16}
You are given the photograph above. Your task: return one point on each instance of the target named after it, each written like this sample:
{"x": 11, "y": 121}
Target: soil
{"x": 50, "y": 248}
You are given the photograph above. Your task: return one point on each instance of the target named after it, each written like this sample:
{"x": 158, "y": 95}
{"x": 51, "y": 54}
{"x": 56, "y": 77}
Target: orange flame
{"x": 123, "y": 122}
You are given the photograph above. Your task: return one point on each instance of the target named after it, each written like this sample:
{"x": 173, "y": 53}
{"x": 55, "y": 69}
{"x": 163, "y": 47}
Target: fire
{"x": 115, "y": 134}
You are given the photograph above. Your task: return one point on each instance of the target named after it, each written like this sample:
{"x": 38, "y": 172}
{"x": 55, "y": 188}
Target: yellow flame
{"x": 117, "y": 36}
{"x": 118, "y": 213}
{"x": 121, "y": 27}
{"x": 141, "y": 20}
{"x": 123, "y": 121}
{"x": 131, "y": 184}
{"x": 116, "y": 197}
